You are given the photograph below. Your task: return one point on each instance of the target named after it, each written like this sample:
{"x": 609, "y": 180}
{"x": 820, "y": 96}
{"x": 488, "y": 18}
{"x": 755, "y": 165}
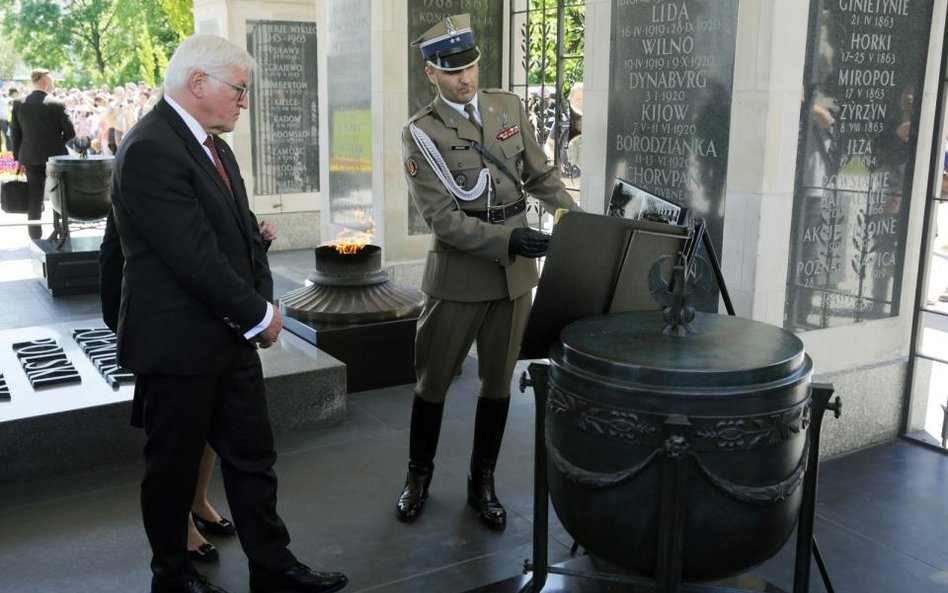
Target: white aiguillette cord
{"x": 434, "y": 158}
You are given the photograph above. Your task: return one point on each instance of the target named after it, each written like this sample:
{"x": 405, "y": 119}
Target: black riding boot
{"x": 422, "y": 444}
{"x": 488, "y": 433}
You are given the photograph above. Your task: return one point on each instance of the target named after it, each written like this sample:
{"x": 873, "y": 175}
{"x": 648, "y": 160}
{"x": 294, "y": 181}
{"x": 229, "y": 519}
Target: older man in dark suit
{"x": 195, "y": 301}
{"x": 40, "y": 129}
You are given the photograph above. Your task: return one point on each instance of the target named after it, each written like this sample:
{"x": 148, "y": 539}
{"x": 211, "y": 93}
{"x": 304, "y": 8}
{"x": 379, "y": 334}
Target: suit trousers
{"x": 228, "y": 410}
{"x": 446, "y": 330}
{"x": 35, "y": 190}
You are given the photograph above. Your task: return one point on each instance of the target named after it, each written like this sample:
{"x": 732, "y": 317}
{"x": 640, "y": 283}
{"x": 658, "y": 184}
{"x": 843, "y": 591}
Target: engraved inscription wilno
{"x": 672, "y": 67}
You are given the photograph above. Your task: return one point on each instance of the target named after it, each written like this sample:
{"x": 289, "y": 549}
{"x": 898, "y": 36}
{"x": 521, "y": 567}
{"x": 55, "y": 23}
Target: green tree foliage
{"x": 9, "y": 59}
{"x": 180, "y": 18}
{"x": 91, "y": 42}
{"x": 147, "y": 65}
{"x": 540, "y": 42}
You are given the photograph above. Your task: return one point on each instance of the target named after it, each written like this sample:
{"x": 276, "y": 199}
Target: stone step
{"x": 85, "y": 424}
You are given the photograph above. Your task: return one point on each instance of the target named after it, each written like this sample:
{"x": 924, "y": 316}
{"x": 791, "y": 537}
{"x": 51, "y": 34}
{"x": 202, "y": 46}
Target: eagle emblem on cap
{"x": 449, "y": 25}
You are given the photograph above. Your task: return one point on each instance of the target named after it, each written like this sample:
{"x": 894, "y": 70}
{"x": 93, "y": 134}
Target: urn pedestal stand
{"x": 671, "y": 512}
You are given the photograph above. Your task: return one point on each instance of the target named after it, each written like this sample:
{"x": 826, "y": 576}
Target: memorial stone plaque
{"x": 487, "y": 21}
{"x": 349, "y": 75}
{"x": 671, "y": 76}
{"x": 45, "y": 363}
{"x": 284, "y": 107}
{"x": 863, "y": 79}
{"x": 100, "y": 345}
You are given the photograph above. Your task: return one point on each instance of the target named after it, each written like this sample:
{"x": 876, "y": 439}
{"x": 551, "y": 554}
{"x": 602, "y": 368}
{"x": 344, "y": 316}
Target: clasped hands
{"x": 269, "y": 336}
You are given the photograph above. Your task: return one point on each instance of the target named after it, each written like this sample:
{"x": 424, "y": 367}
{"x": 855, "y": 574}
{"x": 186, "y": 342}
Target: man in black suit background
{"x": 40, "y": 129}
{"x": 195, "y": 301}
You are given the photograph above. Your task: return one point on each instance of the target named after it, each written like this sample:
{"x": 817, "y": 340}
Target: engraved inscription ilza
{"x": 859, "y": 123}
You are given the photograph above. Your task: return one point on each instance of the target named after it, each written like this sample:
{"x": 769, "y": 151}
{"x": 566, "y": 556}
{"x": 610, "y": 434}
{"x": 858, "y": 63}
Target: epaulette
{"x": 420, "y": 113}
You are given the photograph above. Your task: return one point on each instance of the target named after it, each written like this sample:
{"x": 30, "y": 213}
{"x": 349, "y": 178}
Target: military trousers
{"x": 446, "y": 331}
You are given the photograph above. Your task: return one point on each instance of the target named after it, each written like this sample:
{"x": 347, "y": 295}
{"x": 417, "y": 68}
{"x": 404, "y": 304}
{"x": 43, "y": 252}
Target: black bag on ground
{"x": 13, "y": 199}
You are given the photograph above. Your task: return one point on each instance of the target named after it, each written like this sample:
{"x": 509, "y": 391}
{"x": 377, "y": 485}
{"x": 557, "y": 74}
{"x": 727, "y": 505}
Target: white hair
{"x": 208, "y": 53}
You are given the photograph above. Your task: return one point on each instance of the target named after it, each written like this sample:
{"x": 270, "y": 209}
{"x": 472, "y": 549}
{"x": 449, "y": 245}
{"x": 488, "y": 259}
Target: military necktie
{"x": 472, "y": 115}
{"x": 209, "y": 142}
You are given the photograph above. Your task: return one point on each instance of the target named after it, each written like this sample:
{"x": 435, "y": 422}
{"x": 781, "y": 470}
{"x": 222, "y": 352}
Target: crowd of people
{"x": 101, "y": 115}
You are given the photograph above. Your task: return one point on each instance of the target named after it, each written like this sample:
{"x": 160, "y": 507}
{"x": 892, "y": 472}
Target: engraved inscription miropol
{"x": 859, "y": 123}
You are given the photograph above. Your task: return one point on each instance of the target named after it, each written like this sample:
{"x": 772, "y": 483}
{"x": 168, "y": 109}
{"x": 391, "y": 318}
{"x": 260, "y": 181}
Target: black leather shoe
{"x": 206, "y": 552}
{"x": 195, "y": 584}
{"x": 299, "y": 579}
{"x": 482, "y": 498}
{"x": 413, "y": 497}
{"x": 222, "y": 527}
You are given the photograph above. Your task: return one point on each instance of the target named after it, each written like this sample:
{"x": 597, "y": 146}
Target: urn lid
{"x": 724, "y": 352}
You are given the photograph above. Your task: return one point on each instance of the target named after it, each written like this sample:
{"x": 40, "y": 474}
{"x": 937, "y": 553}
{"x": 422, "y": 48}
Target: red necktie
{"x": 209, "y": 142}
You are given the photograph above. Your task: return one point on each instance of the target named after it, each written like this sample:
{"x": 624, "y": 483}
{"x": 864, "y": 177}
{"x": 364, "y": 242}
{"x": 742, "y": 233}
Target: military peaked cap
{"x": 449, "y": 45}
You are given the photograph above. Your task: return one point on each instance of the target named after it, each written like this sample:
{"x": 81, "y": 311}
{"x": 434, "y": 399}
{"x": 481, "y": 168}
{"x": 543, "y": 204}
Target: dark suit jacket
{"x": 196, "y": 276}
{"x": 111, "y": 264}
{"x": 40, "y": 129}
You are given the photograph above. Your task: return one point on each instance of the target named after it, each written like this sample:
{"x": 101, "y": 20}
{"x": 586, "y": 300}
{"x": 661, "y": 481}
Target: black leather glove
{"x": 528, "y": 242}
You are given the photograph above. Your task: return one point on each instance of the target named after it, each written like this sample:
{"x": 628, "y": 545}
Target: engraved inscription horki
{"x": 855, "y": 162}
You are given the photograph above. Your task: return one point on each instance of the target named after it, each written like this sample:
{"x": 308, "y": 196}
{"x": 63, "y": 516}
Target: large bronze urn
{"x": 79, "y": 188}
{"x": 641, "y": 423}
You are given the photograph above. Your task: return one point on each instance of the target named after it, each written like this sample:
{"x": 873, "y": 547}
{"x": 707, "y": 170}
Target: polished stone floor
{"x": 881, "y": 521}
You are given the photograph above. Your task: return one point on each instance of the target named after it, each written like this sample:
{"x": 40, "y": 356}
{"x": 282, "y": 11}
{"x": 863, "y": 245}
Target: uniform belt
{"x": 498, "y": 214}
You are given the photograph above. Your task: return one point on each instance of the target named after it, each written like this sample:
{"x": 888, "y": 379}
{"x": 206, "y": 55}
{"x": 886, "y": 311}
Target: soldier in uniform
{"x": 470, "y": 158}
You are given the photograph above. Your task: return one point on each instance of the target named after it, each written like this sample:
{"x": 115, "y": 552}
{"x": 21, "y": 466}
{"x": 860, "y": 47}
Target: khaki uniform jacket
{"x": 469, "y": 259}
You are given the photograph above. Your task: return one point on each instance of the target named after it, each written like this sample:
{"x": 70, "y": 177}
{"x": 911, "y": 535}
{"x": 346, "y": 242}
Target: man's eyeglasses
{"x": 242, "y": 91}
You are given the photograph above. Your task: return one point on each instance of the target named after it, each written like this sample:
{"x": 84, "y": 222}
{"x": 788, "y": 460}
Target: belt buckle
{"x": 501, "y": 215}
